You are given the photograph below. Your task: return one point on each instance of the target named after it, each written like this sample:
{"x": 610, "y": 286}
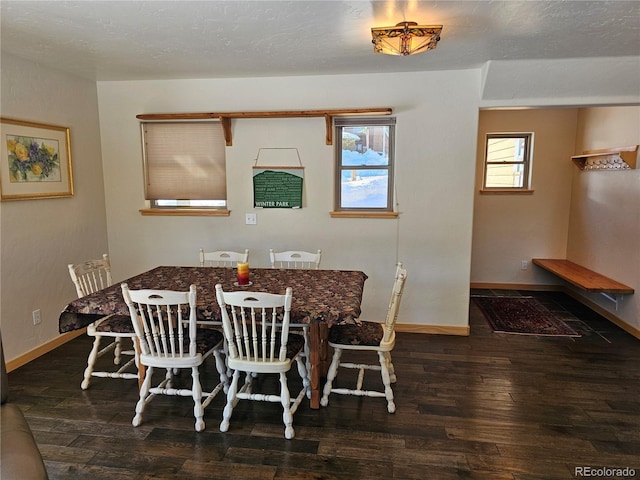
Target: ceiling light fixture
{"x": 406, "y": 38}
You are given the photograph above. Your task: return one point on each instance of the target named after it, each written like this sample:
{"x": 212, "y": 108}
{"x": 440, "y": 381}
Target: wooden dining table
{"x": 321, "y": 298}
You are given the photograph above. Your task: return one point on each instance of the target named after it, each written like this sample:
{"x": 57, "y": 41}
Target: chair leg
{"x": 392, "y": 370}
{"x": 331, "y": 375}
{"x": 142, "y": 401}
{"x": 231, "y": 399}
{"x": 136, "y": 360}
{"x": 168, "y": 376}
{"x": 285, "y": 400}
{"x": 304, "y": 374}
{"x": 225, "y": 351}
{"x": 388, "y": 392}
{"x": 221, "y": 367}
{"x": 91, "y": 360}
{"x": 307, "y": 350}
{"x": 196, "y": 392}
{"x": 117, "y": 351}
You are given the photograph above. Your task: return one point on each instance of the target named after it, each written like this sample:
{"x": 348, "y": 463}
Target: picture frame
{"x": 35, "y": 160}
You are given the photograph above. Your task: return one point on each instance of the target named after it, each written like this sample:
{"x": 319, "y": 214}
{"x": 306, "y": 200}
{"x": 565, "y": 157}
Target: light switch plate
{"x": 251, "y": 219}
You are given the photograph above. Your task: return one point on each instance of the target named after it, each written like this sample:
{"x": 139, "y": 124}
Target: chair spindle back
{"x": 160, "y": 317}
{"x": 295, "y": 259}
{"x": 90, "y": 276}
{"x": 223, "y": 258}
{"x": 256, "y": 324}
{"x": 394, "y": 303}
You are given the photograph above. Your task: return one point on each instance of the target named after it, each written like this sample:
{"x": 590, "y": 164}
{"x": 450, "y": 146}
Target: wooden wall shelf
{"x": 225, "y": 117}
{"x": 622, "y": 158}
{"x": 585, "y": 279}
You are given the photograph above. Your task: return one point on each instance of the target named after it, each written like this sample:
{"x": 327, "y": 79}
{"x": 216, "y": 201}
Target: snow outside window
{"x": 364, "y": 164}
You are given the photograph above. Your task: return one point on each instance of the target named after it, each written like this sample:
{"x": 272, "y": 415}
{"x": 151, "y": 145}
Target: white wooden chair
{"x": 298, "y": 259}
{"x": 89, "y": 277}
{"x": 371, "y": 337}
{"x": 223, "y": 258}
{"x": 256, "y": 327}
{"x": 295, "y": 259}
{"x": 166, "y": 326}
{"x": 227, "y": 259}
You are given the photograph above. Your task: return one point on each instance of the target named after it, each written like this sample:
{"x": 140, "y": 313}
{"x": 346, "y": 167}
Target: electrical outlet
{"x": 251, "y": 219}
{"x": 36, "y": 317}
{"x": 524, "y": 265}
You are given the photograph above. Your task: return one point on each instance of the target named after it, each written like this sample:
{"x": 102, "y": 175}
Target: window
{"x": 364, "y": 164}
{"x": 507, "y": 161}
{"x": 184, "y": 165}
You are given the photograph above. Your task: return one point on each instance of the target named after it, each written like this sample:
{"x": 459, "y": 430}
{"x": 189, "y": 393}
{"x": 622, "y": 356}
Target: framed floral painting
{"x": 35, "y": 162}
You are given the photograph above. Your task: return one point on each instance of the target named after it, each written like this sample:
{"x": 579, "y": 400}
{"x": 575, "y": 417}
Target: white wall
{"x": 435, "y": 163}
{"x": 40, "y": 237}
{"x": 561, "y": 82}
{"x": 509, "y": 228}
{"x": 604, "y": 230}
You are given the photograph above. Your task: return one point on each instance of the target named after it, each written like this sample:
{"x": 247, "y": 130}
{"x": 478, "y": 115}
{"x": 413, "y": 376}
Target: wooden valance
{"x": 225, "y": 117}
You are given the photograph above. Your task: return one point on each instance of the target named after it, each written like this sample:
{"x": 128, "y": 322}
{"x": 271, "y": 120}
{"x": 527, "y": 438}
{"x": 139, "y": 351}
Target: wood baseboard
{"x": 42, "y": 349}
{"x": 569, "y": 291}
{"x": 630, "y": 329}
{"x": 433, "y": 329}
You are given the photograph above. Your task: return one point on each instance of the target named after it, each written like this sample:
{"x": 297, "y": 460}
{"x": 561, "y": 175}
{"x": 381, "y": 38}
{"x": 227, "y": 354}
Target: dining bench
{"x": 584, "y": 278}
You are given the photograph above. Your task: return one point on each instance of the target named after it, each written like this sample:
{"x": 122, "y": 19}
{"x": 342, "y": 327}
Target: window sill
{"x": 185, "y": 212}
{"x": 356, "y": 214}
{"x": 507, "y": 191}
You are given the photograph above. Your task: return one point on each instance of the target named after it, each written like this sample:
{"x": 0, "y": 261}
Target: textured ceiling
{"x": 129, "y": 40}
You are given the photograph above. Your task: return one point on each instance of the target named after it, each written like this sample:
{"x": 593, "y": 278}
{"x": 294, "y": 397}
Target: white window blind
{"x": 184, "y": 160}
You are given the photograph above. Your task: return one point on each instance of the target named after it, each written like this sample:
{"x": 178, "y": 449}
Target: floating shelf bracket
{"x": 225, "y": 117}
{"x": 617, "y": 299}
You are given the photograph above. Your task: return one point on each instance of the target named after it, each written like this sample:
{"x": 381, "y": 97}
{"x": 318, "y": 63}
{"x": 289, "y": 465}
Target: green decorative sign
{"x": 277, "y": 187}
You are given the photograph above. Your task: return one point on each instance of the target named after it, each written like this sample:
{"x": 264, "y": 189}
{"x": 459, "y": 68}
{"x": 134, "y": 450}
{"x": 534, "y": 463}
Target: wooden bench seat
{"x": 582, "y": 277}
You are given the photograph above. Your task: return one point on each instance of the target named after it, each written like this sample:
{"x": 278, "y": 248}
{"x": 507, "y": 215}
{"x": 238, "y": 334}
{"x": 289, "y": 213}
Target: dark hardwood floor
{"x": 488, "y": 406}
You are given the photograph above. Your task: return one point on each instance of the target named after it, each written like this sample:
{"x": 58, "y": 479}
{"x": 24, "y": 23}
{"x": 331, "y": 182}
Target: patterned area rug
{"x": 522, "y": 315}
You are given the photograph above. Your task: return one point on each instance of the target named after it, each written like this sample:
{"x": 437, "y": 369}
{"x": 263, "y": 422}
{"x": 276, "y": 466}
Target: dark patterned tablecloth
{"x": 326, "y": 296}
